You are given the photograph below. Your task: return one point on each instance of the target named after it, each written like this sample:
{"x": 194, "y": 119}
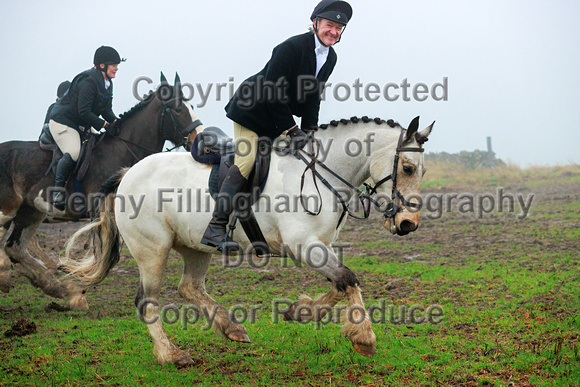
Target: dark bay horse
{"x": 25, "y": 186}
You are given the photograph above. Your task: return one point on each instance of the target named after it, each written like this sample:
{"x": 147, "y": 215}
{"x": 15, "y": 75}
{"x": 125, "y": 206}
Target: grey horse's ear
{"x": 163, "y": 79}
{"x": 423, "y": 136}
{"x": 413, "y": 126}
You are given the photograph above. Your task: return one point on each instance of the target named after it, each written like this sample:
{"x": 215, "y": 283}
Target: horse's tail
{"x": 112, "y": 183}
{"x": 103, "y": 239}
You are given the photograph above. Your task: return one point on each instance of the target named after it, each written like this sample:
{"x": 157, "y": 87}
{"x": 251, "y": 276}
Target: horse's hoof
{"x": 6, "y": 282}
{"x": 289, "y": 313}
{"x": 184, "y": 361}
{"x": 364, "y": 349}
{"x": 5, "y": 286}
{"x": 56, "y": 307}
{"x": 78, "y": 303}
{"x": 238, "y": 336}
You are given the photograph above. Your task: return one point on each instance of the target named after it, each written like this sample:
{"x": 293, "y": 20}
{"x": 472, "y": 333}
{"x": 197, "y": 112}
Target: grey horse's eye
{"x": 408, "y": 170}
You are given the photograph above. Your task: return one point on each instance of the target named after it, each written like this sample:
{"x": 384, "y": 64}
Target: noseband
{"x": 365, "y": 197}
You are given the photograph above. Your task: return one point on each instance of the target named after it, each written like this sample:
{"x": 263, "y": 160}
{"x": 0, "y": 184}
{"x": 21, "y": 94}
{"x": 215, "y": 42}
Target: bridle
{"x": 183, "y": 133}
{"x": 392, "y": 209}
{"x": 365, "y": 197}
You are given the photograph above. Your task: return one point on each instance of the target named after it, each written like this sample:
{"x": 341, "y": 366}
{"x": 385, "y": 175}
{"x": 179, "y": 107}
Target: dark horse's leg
{"x": 26, "y": 223}
{"x": 6, "y": 273}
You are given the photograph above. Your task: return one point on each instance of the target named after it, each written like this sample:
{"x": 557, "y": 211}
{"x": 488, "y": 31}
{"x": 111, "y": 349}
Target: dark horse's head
{"x": 174, "y": 118}
{"x": 177, "y": 112}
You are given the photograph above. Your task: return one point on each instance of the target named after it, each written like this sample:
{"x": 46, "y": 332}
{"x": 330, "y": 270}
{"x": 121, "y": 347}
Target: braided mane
{"x": 355, "y": 120}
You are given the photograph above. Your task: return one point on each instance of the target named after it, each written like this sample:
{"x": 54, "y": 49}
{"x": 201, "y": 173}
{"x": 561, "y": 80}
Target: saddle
{"x": 46, "y": 142}
{"x": 216, "y": 148}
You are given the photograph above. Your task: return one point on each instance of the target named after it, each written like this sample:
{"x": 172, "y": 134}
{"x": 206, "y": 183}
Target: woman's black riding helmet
{"x": 62, "y": 88}
{"x": 108, "y": 56}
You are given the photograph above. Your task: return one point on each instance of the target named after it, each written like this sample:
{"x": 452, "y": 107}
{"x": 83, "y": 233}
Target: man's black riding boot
{"x": 64, "y": 168}
{"x": 215, "y": 234}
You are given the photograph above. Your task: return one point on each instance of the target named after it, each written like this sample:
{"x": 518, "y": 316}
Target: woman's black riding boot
{"x": 64, "y": 168}
{"x": 215, "y": 234}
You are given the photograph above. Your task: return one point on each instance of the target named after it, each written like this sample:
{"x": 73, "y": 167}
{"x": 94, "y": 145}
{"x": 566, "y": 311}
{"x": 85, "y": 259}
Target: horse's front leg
{"x": 358, "y": 327}
{"x": 6, "y": 272}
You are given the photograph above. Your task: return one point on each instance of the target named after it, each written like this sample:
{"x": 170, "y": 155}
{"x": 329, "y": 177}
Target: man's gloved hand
{"x": 298, "y": 138}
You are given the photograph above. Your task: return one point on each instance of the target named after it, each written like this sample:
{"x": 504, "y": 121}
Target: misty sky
{"x": 512, "y": 67}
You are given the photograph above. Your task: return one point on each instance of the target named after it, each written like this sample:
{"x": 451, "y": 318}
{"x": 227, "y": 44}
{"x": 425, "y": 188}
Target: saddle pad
{"x": 209, "y": 145}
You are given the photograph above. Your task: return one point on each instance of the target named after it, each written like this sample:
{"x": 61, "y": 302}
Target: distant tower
{"x": 490, "y": 154}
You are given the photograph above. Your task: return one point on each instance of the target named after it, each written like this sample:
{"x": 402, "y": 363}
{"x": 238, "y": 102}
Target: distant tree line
{"x": 470, "y": 160}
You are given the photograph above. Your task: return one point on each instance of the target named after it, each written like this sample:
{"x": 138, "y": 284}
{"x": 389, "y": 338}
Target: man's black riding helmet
{"x": 334, "y": 10}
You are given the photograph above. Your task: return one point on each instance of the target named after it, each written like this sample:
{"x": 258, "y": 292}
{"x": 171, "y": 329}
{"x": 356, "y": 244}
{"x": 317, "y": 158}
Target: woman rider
{"x": 264, "y": 104}
{"x": 62, "y": 88}
{"x": 89, "y": 97}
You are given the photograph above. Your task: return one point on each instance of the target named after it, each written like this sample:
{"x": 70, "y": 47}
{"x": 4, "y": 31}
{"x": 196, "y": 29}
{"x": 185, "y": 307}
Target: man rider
{"x": 259, "y": 109}
{"x": 89, "y": 97}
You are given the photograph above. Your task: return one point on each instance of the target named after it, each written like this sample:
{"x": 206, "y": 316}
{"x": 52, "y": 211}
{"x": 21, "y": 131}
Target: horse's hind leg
{"x": 6, "y": 272}
{"x": 26, "y": 223}
{"x": 192, "y": 289}
{"x": 151, "y": 260}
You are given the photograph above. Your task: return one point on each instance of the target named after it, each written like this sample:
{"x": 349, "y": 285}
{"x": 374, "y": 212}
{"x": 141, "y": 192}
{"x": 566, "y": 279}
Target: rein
{"x": 364, "y": 196}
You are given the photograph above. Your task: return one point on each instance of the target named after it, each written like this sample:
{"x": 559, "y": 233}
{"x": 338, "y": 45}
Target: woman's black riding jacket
{"x": 85, "y": 101}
